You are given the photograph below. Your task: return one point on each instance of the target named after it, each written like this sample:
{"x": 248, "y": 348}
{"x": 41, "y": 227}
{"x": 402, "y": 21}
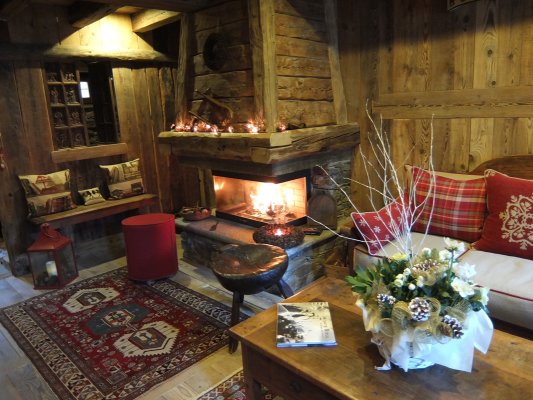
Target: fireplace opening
{"x": 258, "y": 200}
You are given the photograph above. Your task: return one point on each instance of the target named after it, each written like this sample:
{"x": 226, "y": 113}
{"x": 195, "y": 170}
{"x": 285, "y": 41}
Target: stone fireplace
{"x": 227, "y": 155}
{"x": 262, "y": 106}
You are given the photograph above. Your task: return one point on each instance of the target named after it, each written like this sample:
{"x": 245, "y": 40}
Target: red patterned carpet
{"x": 234, "y": 389}
{"x": 108, "y": 337}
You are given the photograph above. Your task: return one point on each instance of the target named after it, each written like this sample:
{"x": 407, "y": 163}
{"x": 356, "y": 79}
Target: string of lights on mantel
{"x": 252, "y": 127}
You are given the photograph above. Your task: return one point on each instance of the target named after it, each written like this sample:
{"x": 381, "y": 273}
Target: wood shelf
{"x": 88, "y": 152}
{"x": 263, "y": 148}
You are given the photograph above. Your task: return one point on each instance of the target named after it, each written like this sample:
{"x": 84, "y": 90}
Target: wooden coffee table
{"x": 346, "y": 371}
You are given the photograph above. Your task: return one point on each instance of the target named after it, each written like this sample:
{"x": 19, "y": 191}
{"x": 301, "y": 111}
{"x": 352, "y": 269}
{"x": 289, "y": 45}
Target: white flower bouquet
{"x": 419, "y": 307}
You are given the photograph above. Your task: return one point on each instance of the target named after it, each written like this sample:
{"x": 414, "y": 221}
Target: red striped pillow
{"x": 459, "y": 206}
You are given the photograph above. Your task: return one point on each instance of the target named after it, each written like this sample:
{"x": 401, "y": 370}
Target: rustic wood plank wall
{"x": 145, "y": 94}
{"x": 289, "y": 77}
{"x": 470, "y": 68}
{"x": 233, "y": 82}
{"x": 302, "y": 63}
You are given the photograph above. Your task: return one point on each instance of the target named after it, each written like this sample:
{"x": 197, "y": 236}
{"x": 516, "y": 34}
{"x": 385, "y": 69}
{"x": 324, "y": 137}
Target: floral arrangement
{"x": 421, "y": 305}
{"x": 426, "y": 299}
{"x": 432, "y": 287}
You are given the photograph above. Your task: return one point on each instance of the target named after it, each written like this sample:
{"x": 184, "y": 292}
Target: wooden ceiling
{"x": 146, "y": 14}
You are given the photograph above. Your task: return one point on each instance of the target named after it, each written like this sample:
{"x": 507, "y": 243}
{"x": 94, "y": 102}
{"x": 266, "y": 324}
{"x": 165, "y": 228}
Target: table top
{"x": 347, "y": 370}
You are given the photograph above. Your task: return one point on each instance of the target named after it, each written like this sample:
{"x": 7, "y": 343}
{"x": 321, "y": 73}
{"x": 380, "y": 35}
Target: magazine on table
{"x": 304, "y": 324}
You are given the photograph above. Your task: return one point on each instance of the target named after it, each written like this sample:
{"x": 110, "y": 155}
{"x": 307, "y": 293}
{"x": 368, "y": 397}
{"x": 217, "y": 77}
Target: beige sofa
{"x": 509, "y": 278}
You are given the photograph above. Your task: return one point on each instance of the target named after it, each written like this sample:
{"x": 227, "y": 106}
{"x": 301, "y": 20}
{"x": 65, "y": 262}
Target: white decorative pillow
{"x": 47, "y": 193}
{"x": 91, "y": 196}
{"x": 124, "y": 179}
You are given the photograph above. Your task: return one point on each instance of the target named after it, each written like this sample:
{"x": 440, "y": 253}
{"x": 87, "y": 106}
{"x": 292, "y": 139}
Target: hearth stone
{"x": 201, "y": 240}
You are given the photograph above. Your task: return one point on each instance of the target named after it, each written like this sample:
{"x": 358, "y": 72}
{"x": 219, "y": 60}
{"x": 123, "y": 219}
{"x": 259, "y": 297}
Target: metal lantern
{"x": 52, "y": 259}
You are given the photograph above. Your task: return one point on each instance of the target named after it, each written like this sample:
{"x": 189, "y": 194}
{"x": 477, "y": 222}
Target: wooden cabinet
{"x": 67, "y": 113}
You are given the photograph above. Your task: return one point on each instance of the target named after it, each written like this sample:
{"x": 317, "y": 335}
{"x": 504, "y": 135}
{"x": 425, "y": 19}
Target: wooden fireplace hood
{"x": 267, "y": 154}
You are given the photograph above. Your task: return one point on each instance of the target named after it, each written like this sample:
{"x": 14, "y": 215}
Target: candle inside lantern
{"x": 51, "y": 268}
{"x": 279, "y": 232}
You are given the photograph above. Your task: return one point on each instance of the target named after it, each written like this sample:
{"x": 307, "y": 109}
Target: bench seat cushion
{"x": 510, "y": 280}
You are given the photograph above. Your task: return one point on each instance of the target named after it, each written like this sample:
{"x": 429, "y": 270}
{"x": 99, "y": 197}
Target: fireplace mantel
{"x": 264, "y": 153}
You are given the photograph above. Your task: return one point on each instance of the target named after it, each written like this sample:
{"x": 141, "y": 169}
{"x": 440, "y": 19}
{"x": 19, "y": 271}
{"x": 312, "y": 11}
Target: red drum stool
{"x": 150, "y": 241}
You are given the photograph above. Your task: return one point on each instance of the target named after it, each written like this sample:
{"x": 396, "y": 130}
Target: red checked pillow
{"x": 508, "y": 228}
{"x": 459, "y": 206}
{"x": 379, "y": 227}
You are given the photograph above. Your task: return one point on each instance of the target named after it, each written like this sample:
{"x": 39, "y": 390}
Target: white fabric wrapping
{"x": 403, "y": 351}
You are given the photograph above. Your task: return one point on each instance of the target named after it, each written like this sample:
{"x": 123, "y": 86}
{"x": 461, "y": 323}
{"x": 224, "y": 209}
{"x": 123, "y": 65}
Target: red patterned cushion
{"x": 379, "y": 227}
{"x": 508, "y": 228}
{"x": 459, "y": 206}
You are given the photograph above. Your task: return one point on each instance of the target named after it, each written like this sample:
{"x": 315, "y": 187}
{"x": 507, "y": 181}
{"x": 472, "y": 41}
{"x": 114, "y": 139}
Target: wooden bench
{"x": 95, "y": 211}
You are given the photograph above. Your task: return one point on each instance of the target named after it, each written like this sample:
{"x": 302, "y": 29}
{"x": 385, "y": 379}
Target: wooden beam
{"x": 183, "y": 85}
{"x": 149, "y": 20}
{"x": 83, "y": 13}
{"x": 87, "y": 153}
{"x": 13, "y": 52}
{"x": 262, "y": 44}
{"x": 9, "y": 8}
{"x": 169, "y": 5}
{"x": 504, "y": 102}
{"x": 263, "y": 148}
{"x": 339, "y": 101}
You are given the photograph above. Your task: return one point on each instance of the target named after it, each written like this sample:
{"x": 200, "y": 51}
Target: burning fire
{"x": 271, "y": 199}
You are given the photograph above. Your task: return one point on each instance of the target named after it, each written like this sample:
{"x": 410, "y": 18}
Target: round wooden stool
{"x": 250, "y": 269}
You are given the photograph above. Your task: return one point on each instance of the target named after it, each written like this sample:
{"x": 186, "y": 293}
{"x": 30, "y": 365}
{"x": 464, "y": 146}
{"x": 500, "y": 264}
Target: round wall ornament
{"x": 215, "y": 51}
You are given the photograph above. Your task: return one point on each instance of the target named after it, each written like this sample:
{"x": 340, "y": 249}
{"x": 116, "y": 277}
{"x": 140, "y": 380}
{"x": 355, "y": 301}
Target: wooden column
{"x": 339, "y": 101}
{"x": 262, "y": 39}
{"x": 184, "y": 58}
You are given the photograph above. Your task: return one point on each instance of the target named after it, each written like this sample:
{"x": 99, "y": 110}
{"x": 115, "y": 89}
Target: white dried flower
{"x": 411, "y": 286}
{"x": 425, "y": 252}
{"x": 464, "y": 271}
{"x": 454, "y": 245}
{"x": 445, "y": 255}
{"x": 484, "y": 294}
{"x": 464, "y": 289}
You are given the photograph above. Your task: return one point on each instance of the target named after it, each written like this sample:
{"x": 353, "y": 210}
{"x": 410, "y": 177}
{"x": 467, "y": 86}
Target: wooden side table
{"x": 346, "y": 371}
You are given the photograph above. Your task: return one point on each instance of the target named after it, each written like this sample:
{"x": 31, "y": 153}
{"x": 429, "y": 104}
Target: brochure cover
{"x": 304, "y": 324}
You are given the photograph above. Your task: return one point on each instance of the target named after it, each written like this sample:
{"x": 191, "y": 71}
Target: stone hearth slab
{"x": 201, "y": 241}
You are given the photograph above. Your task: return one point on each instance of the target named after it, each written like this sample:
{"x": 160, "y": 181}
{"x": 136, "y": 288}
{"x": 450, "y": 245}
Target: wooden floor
{"x": 19, "y": 380}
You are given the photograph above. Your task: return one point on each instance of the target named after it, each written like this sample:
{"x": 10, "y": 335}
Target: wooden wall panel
{"x": 309, "y": 9}
{"x": 146, "y": 104}
{"x": 470, "y": 68}
{"x": 16, "y": 149}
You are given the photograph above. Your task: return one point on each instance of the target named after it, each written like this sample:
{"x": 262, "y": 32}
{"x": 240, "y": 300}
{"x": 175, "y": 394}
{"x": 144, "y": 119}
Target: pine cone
{"x": 419, "y": 309}
{"x": 385, "y": 300}
{"x": 453, "y": 327}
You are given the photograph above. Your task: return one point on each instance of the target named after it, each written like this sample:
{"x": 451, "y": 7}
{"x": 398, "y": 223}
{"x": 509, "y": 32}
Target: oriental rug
{"x": 108, "y": 337}
{"x": 234, "y": 388}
